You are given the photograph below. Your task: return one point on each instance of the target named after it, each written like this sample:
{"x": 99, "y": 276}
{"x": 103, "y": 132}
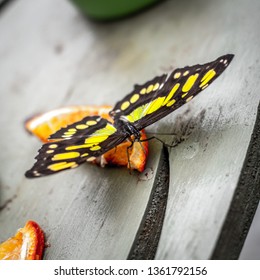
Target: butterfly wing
{"x": 146, "y": 104}
{"x": 140, "y": 95}
{"x": 178, "y": 88}
{"x": 77, "y": 143}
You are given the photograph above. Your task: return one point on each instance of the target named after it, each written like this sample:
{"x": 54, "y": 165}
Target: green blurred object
{"x": 111, "y": 9}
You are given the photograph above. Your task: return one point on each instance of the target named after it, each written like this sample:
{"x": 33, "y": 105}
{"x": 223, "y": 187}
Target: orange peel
{"x": 43, "y": 125}
{"x": 27, "y": 244}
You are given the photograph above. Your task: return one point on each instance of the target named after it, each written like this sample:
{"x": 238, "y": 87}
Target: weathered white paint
{"x": 205, "y": 169}
{"x": 52, "y": 56}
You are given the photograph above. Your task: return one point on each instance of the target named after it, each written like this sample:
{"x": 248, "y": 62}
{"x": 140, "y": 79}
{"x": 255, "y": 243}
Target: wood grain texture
{"x": 205, "y": 169}
{"x": 92, "y": 213}
{"x": 244, "y": 202}
{"x": 147, "y": 238}
{"x": 52, "y": 56}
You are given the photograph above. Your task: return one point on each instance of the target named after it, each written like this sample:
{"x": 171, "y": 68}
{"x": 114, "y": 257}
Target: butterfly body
{"x": 93, "y": 136}
{"x": 127, "y": 128}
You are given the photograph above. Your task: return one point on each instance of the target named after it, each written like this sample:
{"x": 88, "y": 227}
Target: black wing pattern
{"x": 161, "y": 96}
{"x": 140, "y": 95}
{"x": 77, "y": 143}
{"x": 93, "y": 136}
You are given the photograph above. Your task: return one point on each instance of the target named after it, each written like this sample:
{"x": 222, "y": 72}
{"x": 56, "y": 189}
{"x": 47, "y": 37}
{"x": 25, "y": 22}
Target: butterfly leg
{"x": 115, "y": 149}
{"x": 145, "y": 152}
{"x": 128, "y": 154}
{"x": 160, "y": 140}
{"x": 161, "y": 133}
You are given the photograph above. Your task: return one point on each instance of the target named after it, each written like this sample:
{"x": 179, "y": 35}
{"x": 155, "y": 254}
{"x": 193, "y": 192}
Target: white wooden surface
{"x": 52, "y": 56}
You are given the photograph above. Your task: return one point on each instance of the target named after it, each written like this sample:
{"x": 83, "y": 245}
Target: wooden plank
{"x": 147, "y": 238}
{"x": 205, "y": 169}
{"x": 250, "y": 250}
{"x": 244, "y": 203}
{"x": 55, "y": 57}
{"x": 92, "y": 212}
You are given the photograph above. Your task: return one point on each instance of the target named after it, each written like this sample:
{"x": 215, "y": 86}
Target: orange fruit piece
{"x": 27, "y": 244}
{"x": 137, "y": 155}
{"x": 43, "y": 125}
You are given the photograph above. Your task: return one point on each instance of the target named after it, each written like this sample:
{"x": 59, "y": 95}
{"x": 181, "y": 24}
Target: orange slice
{"x": 27, "y": 244}
{"x": 43, "y": 125}
{"x": 137, "y": 155}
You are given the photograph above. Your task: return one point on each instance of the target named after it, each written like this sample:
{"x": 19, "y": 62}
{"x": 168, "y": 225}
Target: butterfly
{"x": 93, "y": 135}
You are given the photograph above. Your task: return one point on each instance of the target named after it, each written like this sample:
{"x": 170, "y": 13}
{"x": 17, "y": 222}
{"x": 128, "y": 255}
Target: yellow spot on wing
{"x": 107, "y": 130}
{"x": 101, "y": 134}
{"x": 81, "y": 126}
{"x": 169, "y": 104}
{"x": 125, "y": 105}
{"x": 66, "y": 156}
{"x": 136, "y": 114}
{"x": 84, "y": 155}
{"x": 96, "y": 139}
{"x": 177, "y": 75}
{"x": 53, "y": 146}
{"x": 134, "y": 98}
{"x": 189, "y": 98}
{"x": 143, "y": 91}
{"x": 91, "y": 159}
{"x": 92, "y": 122}
{"x": 69, "y": 133}
{"x": 156, "y": 86}
{"x": 49, "y": 151}
{"x": 72, "y": 129}
{"x": 149, "y": 89}
{"x": 155, "y": 105}
{"x": 95, "y": 148}
{"x": 76, "y": 147}
{"x": 171, "y": 93}
{"x": 62, "y": 165}
{"x": 186, "y": 73}
{"x": 205, "y": 86}
{"x": 207, "y": 77}
{"x": 190, "y": 82}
